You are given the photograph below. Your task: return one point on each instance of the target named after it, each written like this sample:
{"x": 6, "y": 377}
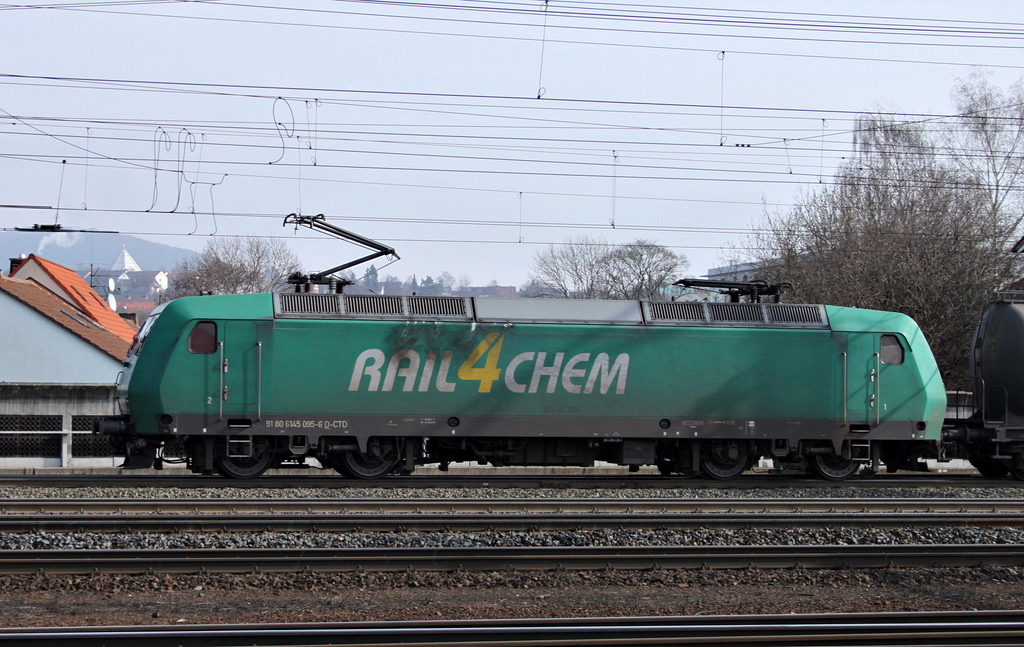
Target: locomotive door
{"x": 240, "y": 367}
{"x": 861, "y": 377}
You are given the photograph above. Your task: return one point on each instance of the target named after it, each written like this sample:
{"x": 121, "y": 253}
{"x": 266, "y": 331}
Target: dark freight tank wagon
{"x": 370, "y": 385}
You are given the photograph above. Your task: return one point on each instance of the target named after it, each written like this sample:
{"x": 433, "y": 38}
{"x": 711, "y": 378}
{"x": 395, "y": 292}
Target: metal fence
{"x": 50, "y": 425}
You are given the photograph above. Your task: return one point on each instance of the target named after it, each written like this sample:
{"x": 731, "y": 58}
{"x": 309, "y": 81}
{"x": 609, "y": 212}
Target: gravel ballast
{"x": 42, "y": 600}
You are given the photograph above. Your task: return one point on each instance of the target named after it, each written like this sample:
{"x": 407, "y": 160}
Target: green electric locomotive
{"x": 370, "y": 385}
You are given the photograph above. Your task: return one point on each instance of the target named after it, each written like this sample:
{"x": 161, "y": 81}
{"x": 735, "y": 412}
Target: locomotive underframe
{"x": 675, "y": 446}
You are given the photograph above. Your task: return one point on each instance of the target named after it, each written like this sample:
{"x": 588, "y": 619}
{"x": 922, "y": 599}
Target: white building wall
{"x": 31, "y": 271}
{"x": 36, "y": 349}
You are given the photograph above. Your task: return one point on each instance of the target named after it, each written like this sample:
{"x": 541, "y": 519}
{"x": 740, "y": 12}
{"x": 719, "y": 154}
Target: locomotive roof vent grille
{"x": 677, "y": 311}
{"x": 293, "y": 303}
{"x": 438, "y": 306}
{"x": 373, "y": 305}
{"x": 796, "y": 314}
{"x": 736, "y": 312}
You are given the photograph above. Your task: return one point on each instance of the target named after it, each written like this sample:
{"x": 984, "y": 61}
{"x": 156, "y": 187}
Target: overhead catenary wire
{"x": 958, "y": 36}
{"x": 457, "y": 149}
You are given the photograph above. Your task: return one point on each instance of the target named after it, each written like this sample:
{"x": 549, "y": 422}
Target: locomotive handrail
{"x": 846, "y": 392}
{"x": 220, "y": 396}
{"x": 878, "y": 390}
{"x": 259, "y": 381}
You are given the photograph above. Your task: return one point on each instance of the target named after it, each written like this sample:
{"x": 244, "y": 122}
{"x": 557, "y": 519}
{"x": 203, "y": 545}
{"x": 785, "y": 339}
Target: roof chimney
{"x": 15, "y": 262}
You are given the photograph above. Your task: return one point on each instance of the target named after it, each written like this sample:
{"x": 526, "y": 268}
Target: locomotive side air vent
{"x": 677, "y": 311}
{"x": 291, "y": 303}
{"x": 795, "y": 314}
{"x": 438, "y": 306}
{"x": 736, "y": 312}
{"x": 357, "y": 304}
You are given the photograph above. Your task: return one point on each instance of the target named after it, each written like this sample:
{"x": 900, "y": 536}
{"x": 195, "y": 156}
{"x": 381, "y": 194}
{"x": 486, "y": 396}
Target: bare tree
{"x": 235, "y": 266}
{"x": 642, "y": 270}
{"x": 915, "y": 222}
{"x": 988, "y": 144}
{"x": 445, "y": 283}
{"x": 464, "y": 282}
{"x": 573, "y": 270}
{"x": 587, "y": 268}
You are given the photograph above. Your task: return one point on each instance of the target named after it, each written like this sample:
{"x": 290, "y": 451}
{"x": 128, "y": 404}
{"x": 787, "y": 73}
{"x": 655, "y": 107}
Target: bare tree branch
{"x": 916, "y": 222}
{"x": 235, "y": 266}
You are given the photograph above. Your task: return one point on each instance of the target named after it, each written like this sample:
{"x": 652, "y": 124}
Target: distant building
{"x": 508, "y": 291}
{"x": 49, "y": 340}
{"x": 72, "y": 288}
{"x": 136, "y": 291}
{"x": 58, "y": 366}
{"x": 743, "y": 272}
{"x": 125, "y": 262}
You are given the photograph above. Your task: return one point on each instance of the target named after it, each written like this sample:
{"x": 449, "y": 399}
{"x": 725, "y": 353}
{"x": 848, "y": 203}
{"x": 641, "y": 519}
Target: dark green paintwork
{"x": 306, "y": 366}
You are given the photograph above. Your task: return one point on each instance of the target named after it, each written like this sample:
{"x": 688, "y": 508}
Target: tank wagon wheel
{"x": 381, "y": 457}
{"x": 990, "y": 468}
{"x": 264, "y": 453}
{"x": 724, "y": 459}
{"x": 832, "y": 467}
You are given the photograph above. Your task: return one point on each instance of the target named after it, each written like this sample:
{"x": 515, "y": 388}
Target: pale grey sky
{"x": 418, "y": 123}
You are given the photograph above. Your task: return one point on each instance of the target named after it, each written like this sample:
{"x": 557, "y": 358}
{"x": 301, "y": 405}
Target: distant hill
{"x": 78, "y": 251}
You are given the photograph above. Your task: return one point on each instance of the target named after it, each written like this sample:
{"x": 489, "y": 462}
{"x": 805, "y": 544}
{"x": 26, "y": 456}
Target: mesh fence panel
{"x": 90, "y": 446}
{"x": 30, "y": 423}
{"x": 83, "y": 423}
{"x": 30, "y": 445}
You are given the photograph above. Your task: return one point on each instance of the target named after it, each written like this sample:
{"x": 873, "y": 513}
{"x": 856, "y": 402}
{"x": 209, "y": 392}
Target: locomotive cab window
{"x": 203, "y": 338}
{"x": 890, "y": 351}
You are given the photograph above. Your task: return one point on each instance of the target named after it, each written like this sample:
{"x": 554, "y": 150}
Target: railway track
{"x": 959, "y": 628}
{"x": 399, "y": 560}
{"x": 250, "y": 515}
{"x": 498, "y": 480}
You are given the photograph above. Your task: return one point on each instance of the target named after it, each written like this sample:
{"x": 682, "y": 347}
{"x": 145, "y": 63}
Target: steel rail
{"x": 302, "y": 479}
{"x": 396, "y": 560}
{"x": 542, "y": 505}
{"x": 389, "y": 515}
{"x": 487, "y": 522}
{"x": 956, "y": 628}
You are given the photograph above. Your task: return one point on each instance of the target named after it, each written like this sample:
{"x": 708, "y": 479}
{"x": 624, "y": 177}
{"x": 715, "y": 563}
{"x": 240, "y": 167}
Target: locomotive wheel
{"x": 989, "y": 467}
{"x": 832, "y": 467}
{"x": 264, "y": 451}
{"x": 381, "y": 457}
{"x": 724, "y": 459}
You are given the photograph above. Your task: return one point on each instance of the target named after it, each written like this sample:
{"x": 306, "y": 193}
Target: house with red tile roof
{"x": 49, "y": 340}
{"x": 72, "y": 288}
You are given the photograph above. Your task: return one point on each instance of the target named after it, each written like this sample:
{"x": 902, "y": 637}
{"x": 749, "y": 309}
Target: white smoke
{"x": 60, "y": 239}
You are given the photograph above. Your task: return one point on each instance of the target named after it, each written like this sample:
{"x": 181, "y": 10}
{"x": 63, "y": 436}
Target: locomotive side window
{"x": 890, "y": 351}
{"x": 203, "y": 338}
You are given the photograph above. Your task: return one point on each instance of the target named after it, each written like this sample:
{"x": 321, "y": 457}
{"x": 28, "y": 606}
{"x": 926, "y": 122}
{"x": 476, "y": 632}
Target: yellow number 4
{"x": 490, "y": 346}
